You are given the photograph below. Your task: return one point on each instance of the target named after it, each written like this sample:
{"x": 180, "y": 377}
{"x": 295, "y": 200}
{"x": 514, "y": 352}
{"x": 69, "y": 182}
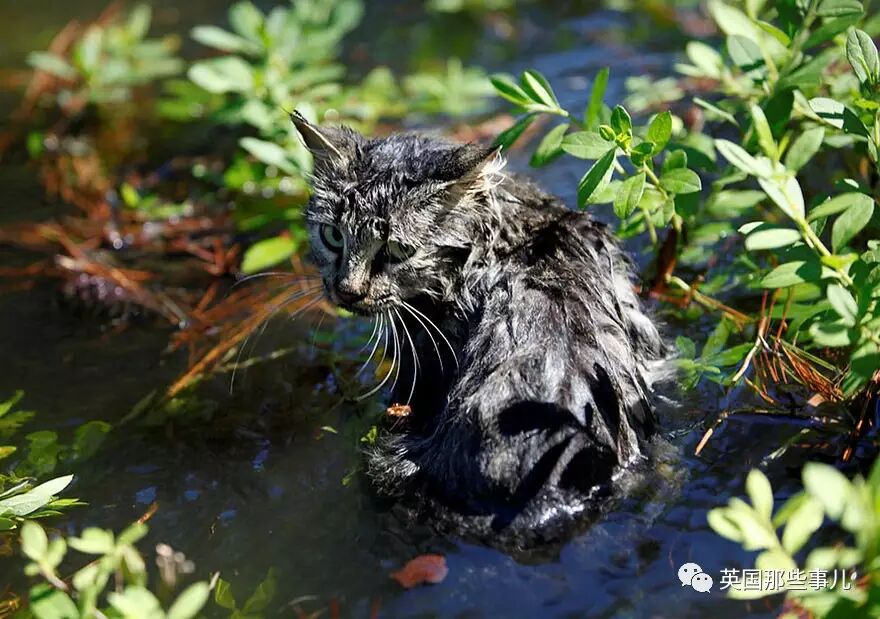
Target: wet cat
{"x": 522, "y": 349}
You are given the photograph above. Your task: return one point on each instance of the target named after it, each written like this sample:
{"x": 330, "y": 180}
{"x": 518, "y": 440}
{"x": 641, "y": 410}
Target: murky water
{"x": 250, "y": 481}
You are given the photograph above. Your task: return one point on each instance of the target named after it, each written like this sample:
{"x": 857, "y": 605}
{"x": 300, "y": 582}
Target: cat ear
{"x": 466, "y": 163}
{"x": 323, "y": 142}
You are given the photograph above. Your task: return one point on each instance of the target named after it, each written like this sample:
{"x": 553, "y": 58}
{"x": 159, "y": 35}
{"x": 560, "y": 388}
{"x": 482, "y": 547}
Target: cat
{"x": 521, "y": 348}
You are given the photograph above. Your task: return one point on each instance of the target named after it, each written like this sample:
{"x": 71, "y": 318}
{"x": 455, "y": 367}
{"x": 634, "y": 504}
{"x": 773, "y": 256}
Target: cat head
{"x": 394, "y": 218}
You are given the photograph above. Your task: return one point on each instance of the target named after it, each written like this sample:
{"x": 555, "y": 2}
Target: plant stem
{"x": 814, "y": 241}
{"x": 708, "y": 301}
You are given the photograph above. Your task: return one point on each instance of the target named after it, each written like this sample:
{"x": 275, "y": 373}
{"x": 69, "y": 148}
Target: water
{"x": 250, "y": 481}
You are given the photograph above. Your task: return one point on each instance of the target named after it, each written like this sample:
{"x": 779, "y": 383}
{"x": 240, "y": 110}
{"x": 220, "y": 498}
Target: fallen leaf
{"x": 423, "y": 569}
{"x": 399, "y": 410}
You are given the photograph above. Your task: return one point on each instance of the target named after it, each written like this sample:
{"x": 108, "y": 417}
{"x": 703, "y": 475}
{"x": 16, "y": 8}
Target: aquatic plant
{"x": 107, "y": 60}
{"x": 112, "y": 583}
{"x": 22, "y": 497}
{"x": 853, "y": 556}
{"x": 795, "y": 86}
{"x": 240, "y": 211}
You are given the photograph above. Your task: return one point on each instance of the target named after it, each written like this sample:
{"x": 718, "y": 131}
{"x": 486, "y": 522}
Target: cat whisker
{"x": 428, "y": 331}
{"x": 317, "y": 330}
{"x": 433, "y": 324}
{"x": 293, "y": 277}
{"x": 278, "y": 306}
{"x": 415, "y": 357}
{"x": 387, "y": 324}
{"x": 397, "y": 359}
{"x": 378, "y": 320}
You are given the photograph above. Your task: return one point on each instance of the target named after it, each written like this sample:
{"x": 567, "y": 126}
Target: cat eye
{"x": 398, "y": 252}
{"x": 332, "y": 237}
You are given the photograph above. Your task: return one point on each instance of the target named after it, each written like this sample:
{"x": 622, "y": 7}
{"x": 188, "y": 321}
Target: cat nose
{"x": 350, "y": 295}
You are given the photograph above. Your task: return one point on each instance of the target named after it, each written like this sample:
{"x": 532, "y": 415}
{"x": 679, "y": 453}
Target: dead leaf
{"x": 423, "y": 569}
{"x": 399, "y": 410}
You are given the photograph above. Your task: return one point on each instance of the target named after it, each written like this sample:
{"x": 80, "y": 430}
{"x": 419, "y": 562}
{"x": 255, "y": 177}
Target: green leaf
{"x": 851, "y": 223}
{"x": 717, "y": 111}
{"x": 538, "y": 88}
{"x": 629, "y": 195}
{"x": 595, "y": 177}
{"x": 746, "y": 54}
{"x": 641, "y": 153}
{"x": 686, "y": 347}
{"x": 550, "y": 146}
{"x": 843, "y": 303}
{"x": 723, "y": 525}
{"x": 660, "y": 130}
{"x": 827, "y": 485}
{"x": 791, "y": 274}
{"x": 756, "y": 532}
{"x": 93, "y": 541}
{"x": 85, "y": 578}
{"x": 760, "y": 493}
{"x": 269, "y": 153}
{"x": 510, "y": 135}
{"x": 830, "y": 28}
{"x": 215, "y": 37}
{"x": 221, "y": 75}
{"x": 865, "y": 360}
{"x": 52, "y": 63}
{"x": 508, "y": 89}
{"x": 132, "y": 534}
{"x": 6, "y": 406}
{"x": 190, "y": 602}
{"x": 731, "y": 20}
{"x": 139, "y": 21}
{"x": 839, "y": 8}
{"x": 621, "y": 121}
{"x": 765, "y": 134}
{"x": 135, "y": 602}
{"x": 34, "y": 499}
{"x": 786, "y": 192}
{"x": 223, "y": 595}
{"x": 741, "y": 159}
{"x": 675, "y": 159}
{"x": 585, "y": 145}
{"x": 772, "y": 238}
{"x": 681, "y": 181}
{"x": 262, "y": 595}
{"x": 838, "y": 204}
{"x": 829, "y": 110}
{"x": 48, "y": 603}
{"x": 705, "y": 58}
{"x": 774, "y": 559}
{"x": 89, "y": 437}
{"x": 34, "y": 542}
{"x": 268, "y": 252}
{"x": 774, "y": 32}
{"x": 597, "y": 93}
{"x": 87, "y": 53}
{"x": 862, "y": 55}
{"x": 804, "y": 148}
{"x": 830, "y": 334}
{"x": 247, "y": 20}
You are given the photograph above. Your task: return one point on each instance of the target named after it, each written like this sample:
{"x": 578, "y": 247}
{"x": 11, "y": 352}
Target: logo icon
{"x": 692, "y": 575}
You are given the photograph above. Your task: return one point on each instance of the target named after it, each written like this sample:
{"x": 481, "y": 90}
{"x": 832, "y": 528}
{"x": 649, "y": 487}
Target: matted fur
{"x": 548, "y": 397}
